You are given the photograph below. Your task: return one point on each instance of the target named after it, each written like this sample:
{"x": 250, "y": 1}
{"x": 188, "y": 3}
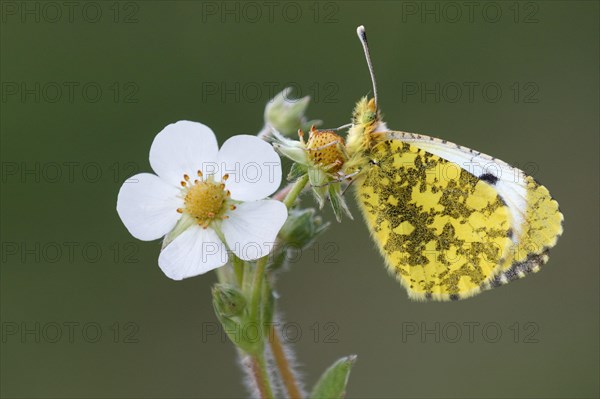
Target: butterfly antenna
{"x": 362, "y": 35}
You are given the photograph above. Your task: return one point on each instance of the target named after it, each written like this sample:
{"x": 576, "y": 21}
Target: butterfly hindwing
{"x": 542, "y": 225}
{"x": 442, "y": 231}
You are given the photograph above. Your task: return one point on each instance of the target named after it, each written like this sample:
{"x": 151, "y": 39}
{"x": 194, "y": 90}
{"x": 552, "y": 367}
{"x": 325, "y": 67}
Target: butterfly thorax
{"x": 366, "y": 121}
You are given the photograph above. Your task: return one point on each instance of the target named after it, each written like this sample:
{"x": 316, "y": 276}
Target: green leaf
{"x": 332, "y": 384}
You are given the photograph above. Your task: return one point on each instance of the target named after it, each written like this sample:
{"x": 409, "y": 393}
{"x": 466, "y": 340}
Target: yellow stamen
{"x": 204, "y": 201}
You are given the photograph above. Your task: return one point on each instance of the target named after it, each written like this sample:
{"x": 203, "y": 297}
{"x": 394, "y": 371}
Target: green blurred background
{"x": 68, "y": 263}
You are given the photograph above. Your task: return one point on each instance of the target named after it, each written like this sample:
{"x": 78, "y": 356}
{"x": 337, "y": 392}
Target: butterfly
{"x": 449, "y": 221}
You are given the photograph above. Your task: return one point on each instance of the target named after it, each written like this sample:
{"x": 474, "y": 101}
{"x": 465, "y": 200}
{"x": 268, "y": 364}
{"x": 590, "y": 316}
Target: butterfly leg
{"x": 347, "y": 125}
{"x": 340, "y": 179}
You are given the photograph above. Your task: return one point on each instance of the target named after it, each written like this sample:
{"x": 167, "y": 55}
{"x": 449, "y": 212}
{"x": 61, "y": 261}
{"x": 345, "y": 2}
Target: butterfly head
{"x": 365, "y": 112}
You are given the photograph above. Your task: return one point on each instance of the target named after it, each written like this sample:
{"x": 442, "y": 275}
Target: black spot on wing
{"x": 489, "y": 178}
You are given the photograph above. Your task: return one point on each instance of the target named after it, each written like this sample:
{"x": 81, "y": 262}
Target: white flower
{"x": 203, "y": 195}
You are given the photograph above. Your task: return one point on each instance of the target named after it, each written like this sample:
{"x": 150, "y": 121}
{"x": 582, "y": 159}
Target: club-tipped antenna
{"x": 362, "y": 35}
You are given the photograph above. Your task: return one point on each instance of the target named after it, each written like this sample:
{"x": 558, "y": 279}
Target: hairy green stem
{"x": 283, "y": 364}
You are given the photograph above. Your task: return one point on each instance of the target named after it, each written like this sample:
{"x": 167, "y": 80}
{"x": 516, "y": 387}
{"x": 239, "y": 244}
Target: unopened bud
{"x": 227, "y": 300}
{"x": 302, "y": 227}
{"x": 285, "y": 114}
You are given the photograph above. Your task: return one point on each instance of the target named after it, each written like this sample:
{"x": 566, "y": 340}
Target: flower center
{"x": 205, "y": 200}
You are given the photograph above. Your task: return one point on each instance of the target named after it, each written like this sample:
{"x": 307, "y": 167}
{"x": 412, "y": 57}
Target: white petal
{"x": 148, "y": 206}
{"x": 253, "y": 166}
{"x": 195, "y": 251}
{"x": 251, "y": 229}
{"x": 183, "y": 148}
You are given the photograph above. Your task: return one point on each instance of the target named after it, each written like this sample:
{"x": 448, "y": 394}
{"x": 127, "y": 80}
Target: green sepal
{"x": 318, "y": 182}
{"x": 338, "y": 203}
{"x": 184, "y": 222}
{"x": 296, "y": 171}
{"x": 293, "y": 151}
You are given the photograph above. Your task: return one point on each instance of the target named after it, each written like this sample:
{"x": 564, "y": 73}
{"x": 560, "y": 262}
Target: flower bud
{"x": 227, "y": 300}
{"x": 286, "y": 115}
{"x": 302, "y": 227}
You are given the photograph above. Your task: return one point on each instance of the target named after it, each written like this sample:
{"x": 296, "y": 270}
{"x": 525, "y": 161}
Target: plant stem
{"x": 238, "y": 268}
{"x": 295, "y": 191}
{"x": 259, "y": 371}
{"x": 285, "y": 371}
{"x": 259, "y": 275}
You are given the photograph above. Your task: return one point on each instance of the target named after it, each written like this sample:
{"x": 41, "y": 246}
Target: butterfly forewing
{"x": 536, "y": 216}
{"x": 442, "y": 231}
